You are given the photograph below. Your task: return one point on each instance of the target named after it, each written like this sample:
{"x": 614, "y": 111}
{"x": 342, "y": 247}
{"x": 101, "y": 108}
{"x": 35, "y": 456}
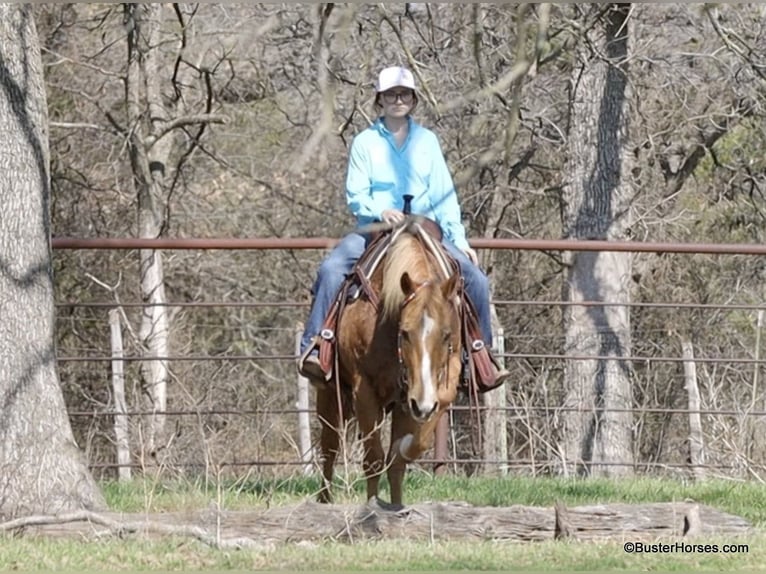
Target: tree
{"x": 41, "y": 467}
{"x": 498, "y": 100}
{"x": 154, "y": 114}
{"x": 596, "y": 205}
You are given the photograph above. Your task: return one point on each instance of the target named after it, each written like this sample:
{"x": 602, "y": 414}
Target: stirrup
{"x": 310, "y": 368}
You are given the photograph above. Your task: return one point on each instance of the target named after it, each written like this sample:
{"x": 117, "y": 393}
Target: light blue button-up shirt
{"x": 380, "y": 174}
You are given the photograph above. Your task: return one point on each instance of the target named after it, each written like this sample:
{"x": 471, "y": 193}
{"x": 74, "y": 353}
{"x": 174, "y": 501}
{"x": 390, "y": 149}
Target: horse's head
{"x": 429, "y": 344}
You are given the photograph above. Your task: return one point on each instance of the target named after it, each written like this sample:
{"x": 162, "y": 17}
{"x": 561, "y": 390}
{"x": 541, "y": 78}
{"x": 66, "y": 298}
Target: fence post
{"x": 495, "y": 443}
{"x": 696, "y": 452}
{"x": 121, "y": 435}
{"x": 441, "y": 446}
{"x": 304, "y": 423}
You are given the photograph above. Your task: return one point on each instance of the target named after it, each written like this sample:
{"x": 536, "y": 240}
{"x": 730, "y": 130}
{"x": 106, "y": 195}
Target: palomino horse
{"x": 400, "y": 356}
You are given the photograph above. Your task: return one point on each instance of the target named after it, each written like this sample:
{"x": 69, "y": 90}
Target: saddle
{"x": 479, "y": 366}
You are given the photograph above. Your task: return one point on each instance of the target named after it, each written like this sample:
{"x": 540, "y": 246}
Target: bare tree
{"x": 153, "y": 115}
{"x": 294, "y": 77}
{"x": 41, "y": 467}
{"x": 596, "y": 205}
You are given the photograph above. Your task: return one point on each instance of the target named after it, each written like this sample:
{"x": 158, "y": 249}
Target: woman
{"x": 392, "y": 158}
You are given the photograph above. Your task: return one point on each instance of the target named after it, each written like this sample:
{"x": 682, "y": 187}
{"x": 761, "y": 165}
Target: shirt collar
{"x": 380, "y": 125}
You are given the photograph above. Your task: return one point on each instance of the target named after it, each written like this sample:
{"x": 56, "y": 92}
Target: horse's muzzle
{"x": 422, "y": 412}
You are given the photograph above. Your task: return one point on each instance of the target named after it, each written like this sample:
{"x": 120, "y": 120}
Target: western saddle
{"x": 480, "y": 370}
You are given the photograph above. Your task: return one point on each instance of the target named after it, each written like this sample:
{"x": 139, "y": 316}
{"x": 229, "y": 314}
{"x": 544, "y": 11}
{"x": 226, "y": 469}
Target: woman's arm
{"x": 358, "y": 196}
{"x": 444, "y": 198}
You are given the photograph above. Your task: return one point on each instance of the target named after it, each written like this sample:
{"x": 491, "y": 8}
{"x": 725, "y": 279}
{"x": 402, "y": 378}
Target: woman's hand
{"x": 392, "y": 216}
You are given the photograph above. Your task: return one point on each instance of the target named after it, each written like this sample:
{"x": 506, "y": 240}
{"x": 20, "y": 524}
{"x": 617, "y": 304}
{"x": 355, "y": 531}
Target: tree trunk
{"x": 149, "y": 161}
{"x": 41, "y": 468}
{"x": 596, "y": 205}
{"x": 159, "y": 92}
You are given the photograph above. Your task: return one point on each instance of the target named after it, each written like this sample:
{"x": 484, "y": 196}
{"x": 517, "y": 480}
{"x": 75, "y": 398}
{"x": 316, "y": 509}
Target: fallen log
{"x": 310, "y": 521}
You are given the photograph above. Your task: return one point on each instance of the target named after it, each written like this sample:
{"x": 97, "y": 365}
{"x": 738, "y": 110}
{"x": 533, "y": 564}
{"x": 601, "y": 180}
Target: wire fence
{"x": 268, "y": 411}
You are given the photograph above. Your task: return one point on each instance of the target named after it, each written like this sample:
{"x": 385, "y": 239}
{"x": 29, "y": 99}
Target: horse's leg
{"x": 369, "y": 415}
{"x": 409, "y": 439}
{"x": 329, "y": 438}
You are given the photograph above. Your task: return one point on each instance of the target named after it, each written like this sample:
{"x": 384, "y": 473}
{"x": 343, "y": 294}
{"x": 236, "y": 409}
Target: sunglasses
{"x": 391, "y": 97}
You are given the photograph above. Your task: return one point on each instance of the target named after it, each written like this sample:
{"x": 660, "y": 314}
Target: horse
{"x": 399, "y": 355}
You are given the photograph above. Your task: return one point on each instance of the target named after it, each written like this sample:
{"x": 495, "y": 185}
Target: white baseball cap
{"x": 393, "y": 77}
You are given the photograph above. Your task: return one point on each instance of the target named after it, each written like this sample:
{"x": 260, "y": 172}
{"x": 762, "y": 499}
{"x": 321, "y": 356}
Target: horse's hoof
{"x": 385, "y": 506}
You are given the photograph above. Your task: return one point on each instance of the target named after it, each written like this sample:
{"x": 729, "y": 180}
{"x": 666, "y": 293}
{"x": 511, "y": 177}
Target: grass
{"x": 397, "y": 556}
{"x": 745, "y": 499}
{"x": 177, "y": 555}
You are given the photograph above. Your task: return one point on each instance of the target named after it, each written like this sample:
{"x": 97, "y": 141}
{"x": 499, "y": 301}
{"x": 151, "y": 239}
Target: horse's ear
{"x": 407, "y": 284}
{"x": 449, "y": 287}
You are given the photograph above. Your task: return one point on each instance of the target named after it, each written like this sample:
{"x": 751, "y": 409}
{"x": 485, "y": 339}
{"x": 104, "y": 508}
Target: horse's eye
{"x": 446, "y": 337}
{"x": 405, "y": 336}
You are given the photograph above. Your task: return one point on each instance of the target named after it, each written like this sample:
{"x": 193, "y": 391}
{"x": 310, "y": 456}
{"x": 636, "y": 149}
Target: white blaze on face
{"x": 428, "y": 398}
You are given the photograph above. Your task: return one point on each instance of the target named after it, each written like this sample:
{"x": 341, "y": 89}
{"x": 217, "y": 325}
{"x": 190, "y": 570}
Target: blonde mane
{"x": 406, "y": 253}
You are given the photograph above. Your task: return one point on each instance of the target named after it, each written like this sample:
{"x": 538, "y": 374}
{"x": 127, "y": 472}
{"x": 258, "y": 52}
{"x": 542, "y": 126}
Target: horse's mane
{"x": 406, "y": 253}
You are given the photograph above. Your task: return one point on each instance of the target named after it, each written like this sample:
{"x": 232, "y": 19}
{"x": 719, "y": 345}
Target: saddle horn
{"x": 407, "y": 209}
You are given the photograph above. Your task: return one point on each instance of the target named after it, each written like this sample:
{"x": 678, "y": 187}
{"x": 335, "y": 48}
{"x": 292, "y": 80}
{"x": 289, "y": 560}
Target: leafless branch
{"x": 413, "y": 65}
{"x": 197, "y": 119}
{"x": 120, "y": 528}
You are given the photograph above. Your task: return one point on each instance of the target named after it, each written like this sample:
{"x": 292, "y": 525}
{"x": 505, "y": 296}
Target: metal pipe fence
{"x": 455, "y": 408}
{"x": 287, "y": 243}
{"x": 513, "y": 413}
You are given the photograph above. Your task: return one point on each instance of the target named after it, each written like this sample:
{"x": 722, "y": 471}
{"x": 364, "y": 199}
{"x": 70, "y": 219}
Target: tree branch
{"x": 195, "y": 119}
{"x": 733, "y": 42}
{"x": 675, "y": 180}
{"x": 119, "y": 528}
{"x": 410, "y": 59}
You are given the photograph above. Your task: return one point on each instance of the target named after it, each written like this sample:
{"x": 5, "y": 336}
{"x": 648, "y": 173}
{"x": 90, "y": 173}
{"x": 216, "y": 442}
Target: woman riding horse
{"x": 393, "y": 158}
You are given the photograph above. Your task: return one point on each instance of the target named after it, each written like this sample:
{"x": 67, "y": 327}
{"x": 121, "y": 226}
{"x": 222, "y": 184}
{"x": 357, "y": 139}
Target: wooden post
{"x": 304, "y": 422}
{"x": 495, "y": 443}
{"x": 696, "y": 448}
{"x": 441, "y": 448}
{"x": 752, "y": 424}
{"x": 756, "y": 364}
{"x": 121, "y": 435}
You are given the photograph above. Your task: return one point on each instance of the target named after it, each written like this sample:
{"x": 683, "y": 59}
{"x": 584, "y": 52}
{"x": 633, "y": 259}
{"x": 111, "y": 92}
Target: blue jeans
{"x": 340, "y": 261}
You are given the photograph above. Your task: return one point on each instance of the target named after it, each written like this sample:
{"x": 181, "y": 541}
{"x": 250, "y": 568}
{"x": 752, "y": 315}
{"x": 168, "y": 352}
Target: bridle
{"x": 404, "y": 381}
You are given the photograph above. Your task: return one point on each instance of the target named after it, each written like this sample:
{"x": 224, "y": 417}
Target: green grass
{"x": 171, "y": 554}
{"x": 746, "y": 499}
{"x": 176, "y": 555}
